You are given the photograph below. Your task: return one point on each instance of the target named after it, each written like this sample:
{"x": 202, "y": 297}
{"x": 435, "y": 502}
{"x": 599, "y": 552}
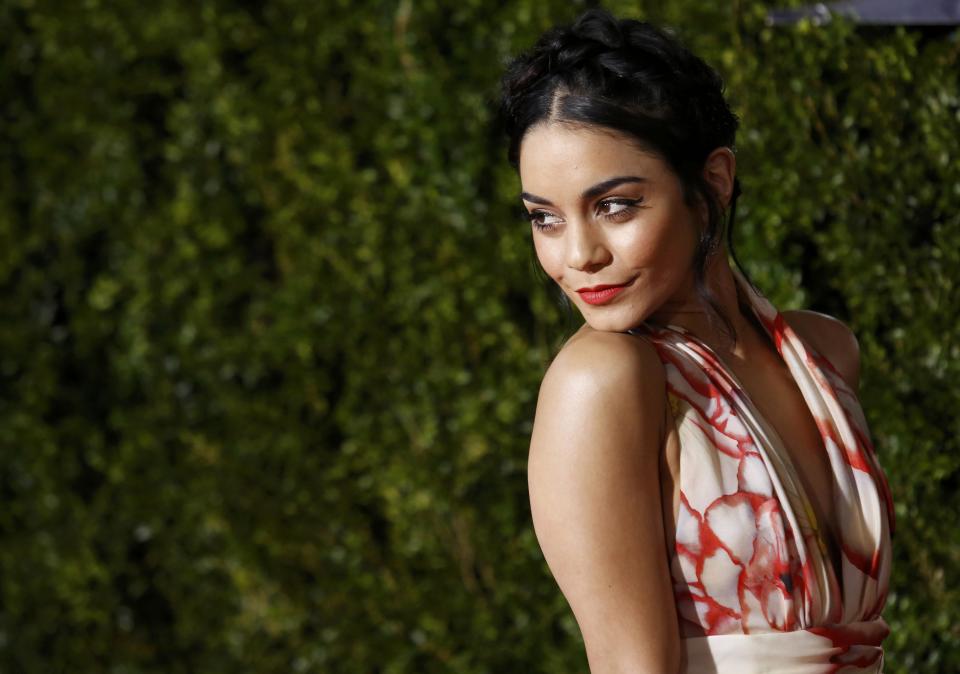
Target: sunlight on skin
{"x": 589, "y": 228}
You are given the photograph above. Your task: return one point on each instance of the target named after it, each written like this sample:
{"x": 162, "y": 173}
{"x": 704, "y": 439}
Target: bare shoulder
{"x": 595, "y": 498}
{"x": 831, "y": 337}
{"x": 614, "y": 377}
{"x": 605, "y": 362}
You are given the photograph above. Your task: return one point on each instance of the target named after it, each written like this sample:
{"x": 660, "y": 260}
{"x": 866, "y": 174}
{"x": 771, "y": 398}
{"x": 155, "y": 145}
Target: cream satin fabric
{"x": 852, "y": 649}
{"x": 755, "y": 587}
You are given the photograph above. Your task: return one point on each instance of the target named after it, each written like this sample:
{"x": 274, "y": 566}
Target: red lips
{"x": 601, "y": 294}
{"x": 603, "y": 286}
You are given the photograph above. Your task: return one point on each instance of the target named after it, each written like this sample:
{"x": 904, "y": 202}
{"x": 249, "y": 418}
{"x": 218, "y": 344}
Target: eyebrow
{"x": 590, "y": 192}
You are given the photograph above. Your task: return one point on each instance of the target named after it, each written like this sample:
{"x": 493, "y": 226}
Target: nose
{"x": 586, "y": 249}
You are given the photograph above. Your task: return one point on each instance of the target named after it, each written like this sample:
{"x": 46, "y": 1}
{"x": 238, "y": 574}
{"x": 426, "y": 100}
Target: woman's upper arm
{"x": 593, "y": 475}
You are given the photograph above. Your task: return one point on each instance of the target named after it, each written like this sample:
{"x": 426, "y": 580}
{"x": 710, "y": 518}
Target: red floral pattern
{"x": 748, "y": 557}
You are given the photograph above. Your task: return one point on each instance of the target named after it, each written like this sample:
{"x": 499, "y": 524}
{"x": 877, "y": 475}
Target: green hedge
{"x": 272, "y": 334}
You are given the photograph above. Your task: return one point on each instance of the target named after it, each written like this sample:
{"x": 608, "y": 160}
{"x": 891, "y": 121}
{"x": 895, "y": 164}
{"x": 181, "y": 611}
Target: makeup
{"x": 601, "y": 294}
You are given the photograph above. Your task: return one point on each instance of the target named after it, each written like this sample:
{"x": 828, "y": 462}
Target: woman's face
{"x": 605, "y": 213}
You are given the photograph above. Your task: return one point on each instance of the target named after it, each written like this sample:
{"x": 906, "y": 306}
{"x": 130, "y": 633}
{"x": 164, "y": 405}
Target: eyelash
{"x": 618, "y": 216}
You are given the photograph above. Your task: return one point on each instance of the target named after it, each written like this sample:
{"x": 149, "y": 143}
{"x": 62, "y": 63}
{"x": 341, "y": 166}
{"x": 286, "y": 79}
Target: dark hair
{"x": 638, "y": 79}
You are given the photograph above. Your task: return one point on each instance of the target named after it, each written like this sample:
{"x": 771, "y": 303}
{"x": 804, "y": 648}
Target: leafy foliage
{"x": 272, "y": 332}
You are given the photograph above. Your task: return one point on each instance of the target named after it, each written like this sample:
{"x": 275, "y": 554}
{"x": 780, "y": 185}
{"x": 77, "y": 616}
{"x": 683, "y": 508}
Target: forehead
{"x": 556, "y": 154}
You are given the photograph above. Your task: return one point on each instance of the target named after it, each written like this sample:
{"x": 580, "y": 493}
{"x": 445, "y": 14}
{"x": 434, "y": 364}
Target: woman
{"x": 701, "y": 477}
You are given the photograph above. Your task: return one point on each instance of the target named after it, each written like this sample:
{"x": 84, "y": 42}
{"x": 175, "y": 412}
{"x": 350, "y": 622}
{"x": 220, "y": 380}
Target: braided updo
{"x": 635, "y": 78}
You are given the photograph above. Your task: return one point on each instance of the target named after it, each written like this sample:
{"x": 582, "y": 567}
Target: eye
{"x": 618, "y": 209}
{"x": 543, "y": 220}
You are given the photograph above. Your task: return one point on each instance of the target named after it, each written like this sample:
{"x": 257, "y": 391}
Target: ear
{"x": 719, "y": 170}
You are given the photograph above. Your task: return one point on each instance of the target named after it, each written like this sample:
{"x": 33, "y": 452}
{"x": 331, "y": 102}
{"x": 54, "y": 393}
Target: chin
{"x": 607, "y": 323}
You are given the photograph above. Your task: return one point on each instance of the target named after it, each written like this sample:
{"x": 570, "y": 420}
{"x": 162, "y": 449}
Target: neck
{"x": 687, "y": 310}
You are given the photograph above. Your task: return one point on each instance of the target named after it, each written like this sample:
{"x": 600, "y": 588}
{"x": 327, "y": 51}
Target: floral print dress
{"x": 755, "y": 588}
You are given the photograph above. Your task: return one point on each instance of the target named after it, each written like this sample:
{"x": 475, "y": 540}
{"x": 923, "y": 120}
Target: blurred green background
{"x": 272, "y": 331}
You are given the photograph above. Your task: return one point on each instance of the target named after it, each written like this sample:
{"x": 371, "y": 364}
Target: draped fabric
{"x": 755, "y": 587}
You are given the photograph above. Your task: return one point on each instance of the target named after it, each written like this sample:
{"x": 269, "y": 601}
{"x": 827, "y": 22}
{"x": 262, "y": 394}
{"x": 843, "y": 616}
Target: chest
{"x": 780, "y": 405}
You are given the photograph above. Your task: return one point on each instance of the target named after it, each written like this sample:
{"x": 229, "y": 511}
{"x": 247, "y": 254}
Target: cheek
{"x": 550, "y": 254}
{"x": 651, "y": 246}
{"x": 668, "y": 240}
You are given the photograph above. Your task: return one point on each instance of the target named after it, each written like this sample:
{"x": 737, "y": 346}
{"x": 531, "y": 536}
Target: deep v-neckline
{"x": 827, "y": 538}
